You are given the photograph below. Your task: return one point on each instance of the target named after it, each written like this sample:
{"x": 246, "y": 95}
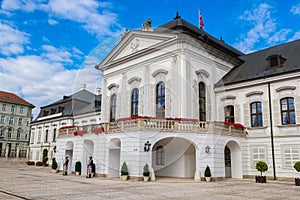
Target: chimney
{"x": 82, "y": 86}
{"x": 98, "y": 90}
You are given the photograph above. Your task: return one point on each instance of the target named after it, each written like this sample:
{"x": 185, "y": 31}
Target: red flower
{"x": 99, "y": 130}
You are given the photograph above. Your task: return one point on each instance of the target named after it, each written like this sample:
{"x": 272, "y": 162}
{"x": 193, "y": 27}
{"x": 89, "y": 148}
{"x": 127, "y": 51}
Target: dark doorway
{"x": 227, "y": 156}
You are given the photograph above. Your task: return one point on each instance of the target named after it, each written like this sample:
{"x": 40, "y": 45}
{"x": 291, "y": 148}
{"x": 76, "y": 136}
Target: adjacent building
{"x": 81, "y": 108}
{"x": 15, "y": 118}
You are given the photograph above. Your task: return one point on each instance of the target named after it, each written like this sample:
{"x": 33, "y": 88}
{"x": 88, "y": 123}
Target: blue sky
{"x": 49, "y": 47}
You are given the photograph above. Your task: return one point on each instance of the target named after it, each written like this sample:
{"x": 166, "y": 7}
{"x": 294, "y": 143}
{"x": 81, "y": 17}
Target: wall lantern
{"x": 147, "y": 146}
{"x": 207, "y": 148}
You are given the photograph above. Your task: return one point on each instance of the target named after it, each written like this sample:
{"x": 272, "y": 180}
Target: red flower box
{"x": 80, "y": 133}
{"x": 99, "y": 130}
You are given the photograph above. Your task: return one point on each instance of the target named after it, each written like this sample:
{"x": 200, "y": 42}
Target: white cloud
{"x": 52, "y": 22}
{"x": 11, "y": 39}
{"x": 262, "y": 26}
{"x": 279, "y": 36}
{"x": 94, "y": 16}
{"x": 295, "y": 9}
{"x": 296, "y": 36}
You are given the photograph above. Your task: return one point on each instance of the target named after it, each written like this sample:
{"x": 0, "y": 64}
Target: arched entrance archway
{"x": 233, "y": 160}
{"x": 69, "y": 153}
{"x": 174, "y": 157}
{"x": 88, "y": 150}
{"x": 114, "y": 158}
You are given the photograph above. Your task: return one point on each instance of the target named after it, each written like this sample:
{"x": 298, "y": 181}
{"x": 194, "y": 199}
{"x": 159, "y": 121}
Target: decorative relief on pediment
{"x": 134, "y": 45}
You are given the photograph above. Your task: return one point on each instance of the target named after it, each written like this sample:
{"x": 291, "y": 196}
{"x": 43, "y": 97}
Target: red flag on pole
{"x": 201, "y": 23}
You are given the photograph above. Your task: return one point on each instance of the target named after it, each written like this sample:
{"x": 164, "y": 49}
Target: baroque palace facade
{"x": 179, "y": 99}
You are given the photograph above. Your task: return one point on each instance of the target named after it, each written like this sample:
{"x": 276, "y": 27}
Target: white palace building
{"x": 179, "y": 99}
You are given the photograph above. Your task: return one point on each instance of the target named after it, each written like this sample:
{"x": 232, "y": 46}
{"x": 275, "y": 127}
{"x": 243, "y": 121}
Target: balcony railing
{"x": 154, "y": 124}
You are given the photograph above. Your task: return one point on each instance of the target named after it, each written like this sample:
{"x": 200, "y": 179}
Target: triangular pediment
{"x": 134, "y": 43}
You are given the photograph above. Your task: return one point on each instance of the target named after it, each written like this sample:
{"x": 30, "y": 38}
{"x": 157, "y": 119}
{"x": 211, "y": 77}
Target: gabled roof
{"x": 255, "y": 65}
{"x": 184, "y": 26}
{"x": 13, "y": 98}
{"x": 78, "y": 103}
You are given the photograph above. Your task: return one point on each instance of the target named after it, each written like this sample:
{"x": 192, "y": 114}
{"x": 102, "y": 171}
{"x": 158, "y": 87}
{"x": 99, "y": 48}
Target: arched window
{"x": 287, "y": 110}
{"x": 113, "y": 104}
{"x": 160, "y": 100}
{"x": 256, "y": 114}
{"x": 202, "y": 102}
{"x": 160, "y": 155}
{"x": 134, "y": 102}
{"x": 229, "y": 114}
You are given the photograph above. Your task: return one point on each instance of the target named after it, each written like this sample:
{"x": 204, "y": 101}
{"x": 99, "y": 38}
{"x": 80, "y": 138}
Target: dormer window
{"x": 275, "y": 61}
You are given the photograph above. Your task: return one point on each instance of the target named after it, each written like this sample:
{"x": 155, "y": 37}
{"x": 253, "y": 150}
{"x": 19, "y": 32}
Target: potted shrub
{"x": 261, "y": 166}
{"x": 297, "y": 168}
{"x": 54, "y": 165}
{"x": 124, "y": 171}
{"x": 146, "y": 172}
{"x": 207, "y": 174}
{"x": 78, "y": 168}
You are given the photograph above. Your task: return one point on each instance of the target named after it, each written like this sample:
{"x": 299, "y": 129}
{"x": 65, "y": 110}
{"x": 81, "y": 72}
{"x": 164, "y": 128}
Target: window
{"x": 2, "y": 119}
{"x": 113, "y": 104}
{"x": 291, "y": 155}
{"x": 134, "y": 102}
{"x": 46, "y": 136}
{"x": 20, "y": 122}
{"x": 21, "y": 110}
{"x": 258, "y": 153}
{"x": 229, "y": 114}
{"x": 45, "y": 112}
{"x": 12, "y": 109}
{"x": 275, "y": 61}
{"x": 160, "y": 100}
{"x": 11, "y": 121}
{"x": 18, "y": 133}
{"x": 32, "y": 137}
{"x": 9, "y": 133}
{"x": 39, "y": 137}
{"x": 202, "y": 102}
{"x": 1, "y": 132}
{"x": 60, "y": 109}
{"x": 3, "y": 107}
{"x": 54, "y": 135}
{"x": 53, "y": 110}
{"x": 160, "y": 155}
{"x": 287, "y": 111}
{"x": 256, "y": 114}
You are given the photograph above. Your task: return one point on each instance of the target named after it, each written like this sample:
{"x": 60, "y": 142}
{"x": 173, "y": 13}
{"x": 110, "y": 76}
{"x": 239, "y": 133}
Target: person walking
{"x": 66, "y": 165}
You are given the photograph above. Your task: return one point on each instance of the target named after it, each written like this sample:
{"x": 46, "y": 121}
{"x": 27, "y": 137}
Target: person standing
{"x": 90, "y": 167}
{"x": 66, "y": 165}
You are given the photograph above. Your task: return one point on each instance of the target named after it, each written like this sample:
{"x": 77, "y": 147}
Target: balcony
{"x": 156, "y": 124}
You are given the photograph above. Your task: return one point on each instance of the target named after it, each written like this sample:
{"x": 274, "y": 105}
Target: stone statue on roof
{"x": 147, "y": 25}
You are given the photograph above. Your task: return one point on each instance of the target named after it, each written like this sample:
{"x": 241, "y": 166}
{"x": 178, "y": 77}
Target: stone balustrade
{"x": 155, "y": 124}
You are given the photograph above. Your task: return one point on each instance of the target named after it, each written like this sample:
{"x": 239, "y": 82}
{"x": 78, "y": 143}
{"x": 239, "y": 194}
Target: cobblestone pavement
{"x": 19, "y": 181}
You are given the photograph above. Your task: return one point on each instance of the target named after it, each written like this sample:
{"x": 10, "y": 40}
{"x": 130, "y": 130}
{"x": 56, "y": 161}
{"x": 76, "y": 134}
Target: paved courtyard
{"x": 19, "y": 181}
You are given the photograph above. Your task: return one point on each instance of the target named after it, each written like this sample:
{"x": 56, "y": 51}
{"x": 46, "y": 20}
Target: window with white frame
{"x": 12, "y": 109}
{"x": 20, "y": 122}
{"x": 258, "y": 154}
{"x": 11, "y": 121}
{"x": 21, "y": 110}
{"x": 32, "y": 137}
{"x": 291, "y": 155}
